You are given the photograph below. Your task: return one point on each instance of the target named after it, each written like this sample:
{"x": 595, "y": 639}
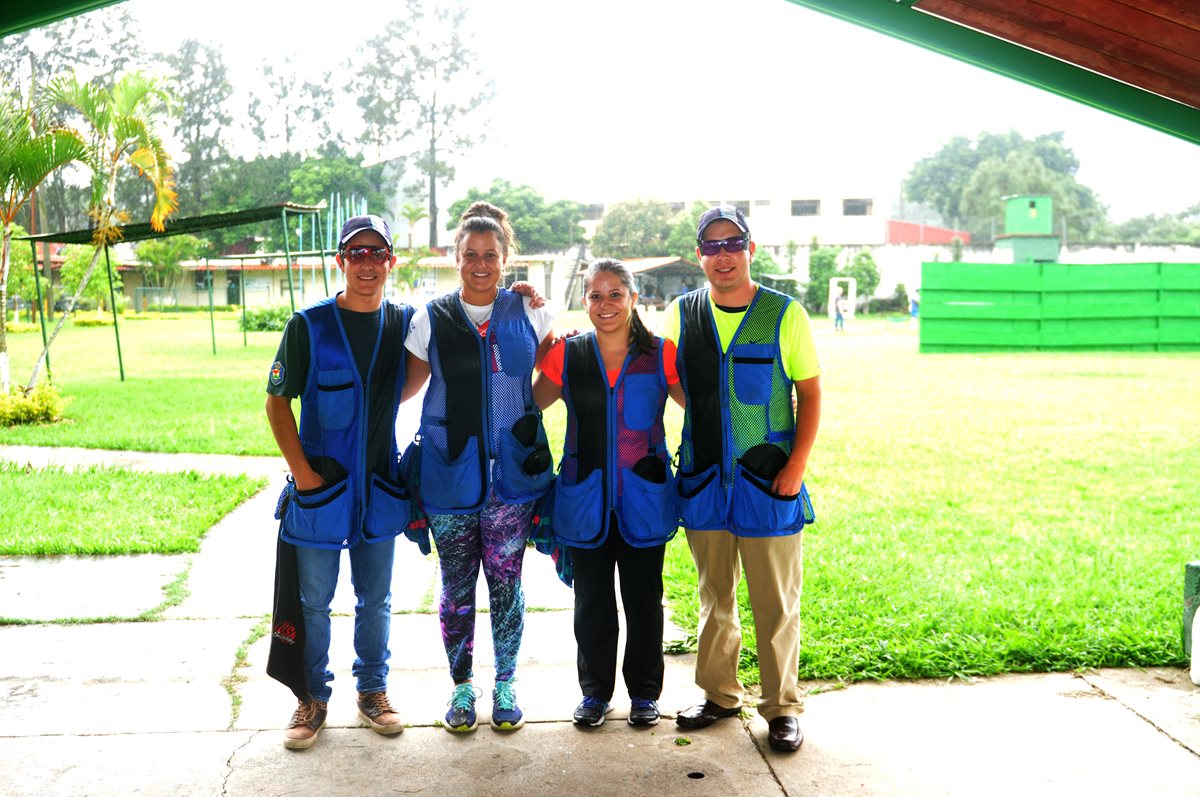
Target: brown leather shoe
{"x": 374, "y": 708}
{"x": 306, "y": 723}
{"x": 785, "y": 735}
{"x": 704, "y": 714}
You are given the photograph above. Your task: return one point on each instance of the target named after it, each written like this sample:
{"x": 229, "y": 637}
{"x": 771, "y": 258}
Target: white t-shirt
{"x": 419, "y": 330}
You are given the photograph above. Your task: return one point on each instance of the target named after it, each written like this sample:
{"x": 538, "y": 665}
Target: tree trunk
{"x": 5, "y": 248}
{"x": 62, "y": 320}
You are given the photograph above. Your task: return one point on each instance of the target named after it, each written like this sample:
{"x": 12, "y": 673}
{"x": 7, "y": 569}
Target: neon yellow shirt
{"x": 796, "y": 345}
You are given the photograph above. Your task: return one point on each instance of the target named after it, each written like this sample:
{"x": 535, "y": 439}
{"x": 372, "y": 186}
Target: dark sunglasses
{"x": 730, "y": 245}
{"x": 360, "y": 254}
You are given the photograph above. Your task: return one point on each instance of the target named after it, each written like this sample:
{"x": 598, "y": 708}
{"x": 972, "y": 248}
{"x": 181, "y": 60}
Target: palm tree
{"x": 121, "y": 125}
{"x": 412, "y": 214}
{"x": 26, "y": 159}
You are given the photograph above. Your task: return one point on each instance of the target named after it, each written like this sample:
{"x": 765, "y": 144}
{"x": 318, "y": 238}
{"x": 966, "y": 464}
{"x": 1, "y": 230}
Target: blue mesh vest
{"x": 739, "y": 424}
{"x": 480, "y": 424}
{"x": 361, "y": 499}
{"x": 614, "y": 454}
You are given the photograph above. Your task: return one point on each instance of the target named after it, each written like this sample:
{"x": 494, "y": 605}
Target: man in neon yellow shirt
{"x": 742, "y": 349}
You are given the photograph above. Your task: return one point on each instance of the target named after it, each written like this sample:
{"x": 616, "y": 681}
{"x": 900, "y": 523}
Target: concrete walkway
{"x": 149, "y": 708}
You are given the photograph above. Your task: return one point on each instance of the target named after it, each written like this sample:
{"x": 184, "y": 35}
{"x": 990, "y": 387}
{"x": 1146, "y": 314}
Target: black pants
{"x": 596, "y": 628}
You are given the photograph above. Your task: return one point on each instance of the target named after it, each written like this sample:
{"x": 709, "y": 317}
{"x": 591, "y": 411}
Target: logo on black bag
{"x": 285, "y": 632}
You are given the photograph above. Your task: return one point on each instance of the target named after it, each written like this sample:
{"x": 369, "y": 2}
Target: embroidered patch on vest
{"x": 277, "y": 373}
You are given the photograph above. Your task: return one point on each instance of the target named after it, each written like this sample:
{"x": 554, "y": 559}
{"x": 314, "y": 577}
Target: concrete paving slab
{"x": 1029, "y": 735}
{"x": 117, "y": 678}
{"x": 31, "y": 587}
{"x": 1163, "y": 696}
{"x": 419, "y": 682}
{"x": 176, "y": 764}
{"x": 142, "y": 461}
{"x": 540, "y": 759}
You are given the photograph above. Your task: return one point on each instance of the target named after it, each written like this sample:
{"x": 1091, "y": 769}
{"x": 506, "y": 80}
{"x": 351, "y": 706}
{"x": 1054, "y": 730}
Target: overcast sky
{"x": 607, "y": 100}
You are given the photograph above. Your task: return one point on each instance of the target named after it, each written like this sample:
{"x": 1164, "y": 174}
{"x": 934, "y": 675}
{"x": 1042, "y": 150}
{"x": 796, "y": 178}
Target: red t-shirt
{"x": 552, "y": 364}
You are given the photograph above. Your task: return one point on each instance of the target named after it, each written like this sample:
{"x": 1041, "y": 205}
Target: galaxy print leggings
{"x": 496, "y": 537}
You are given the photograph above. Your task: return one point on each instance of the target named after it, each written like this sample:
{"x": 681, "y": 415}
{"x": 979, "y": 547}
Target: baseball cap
{"x": 718, "y": 212}
{"x": 356, "y": 224}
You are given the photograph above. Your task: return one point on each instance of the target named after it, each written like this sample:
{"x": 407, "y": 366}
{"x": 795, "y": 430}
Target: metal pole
{"x": 212, "y": 324}
{"x": 242, "y": 292}
{"x": 287, "y": 256}
{"x": 113, "y": 298}
{"x": 324, "y": 266}
{"x": 37, "y": 286}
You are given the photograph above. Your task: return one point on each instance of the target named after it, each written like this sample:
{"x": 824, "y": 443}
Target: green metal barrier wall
{"x": 1059, "y": 306}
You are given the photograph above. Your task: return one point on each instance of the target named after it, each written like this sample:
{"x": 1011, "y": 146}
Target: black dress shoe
{"x": 785, "y": 735}
{"x": 704, "y": 714}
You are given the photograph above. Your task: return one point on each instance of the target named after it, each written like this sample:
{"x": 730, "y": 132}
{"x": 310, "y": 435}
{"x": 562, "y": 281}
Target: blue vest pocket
{"x": 520, "y": 477}
{"x": 641, "y": 400}
{"x": 648, "y": 514}
{"x": 752, "y": 370}
{"x": 450, "y": 485}
{"x": 321, "y": 518}
{"x": 759, "y": 512}
{"x": 701, "y": 499}
{"x": 387, "y": 509}
{"x": 515, "y": 348}
{"x": 335, "y": 398}
{"x": 578, "y": 518}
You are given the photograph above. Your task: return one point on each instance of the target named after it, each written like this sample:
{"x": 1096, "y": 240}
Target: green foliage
{"x": 77, "y": 258}
{"x": 160, "y": 258}
{"x": 822, "y": 266}
{"x": 204, "y": 91}
{"x": 113, "y": 511}
{"x": 681, "y": 241}
{"x": 43, "y": 405}
{"x": 965, "y": 179}
{"x": 20, "y": 269}
{"x": 763, "y": 264}
{"x": 1169, "y": 228}
{"x": 266, "y": 319}
{"x": 539, "y": 226}
{"x": 635, "y": 229}
{"x": 866, "y": 274}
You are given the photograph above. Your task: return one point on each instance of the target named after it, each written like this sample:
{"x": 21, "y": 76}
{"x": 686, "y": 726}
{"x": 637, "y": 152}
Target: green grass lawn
{"x": 112, "y": 511}
{"x": 975, "y": 513}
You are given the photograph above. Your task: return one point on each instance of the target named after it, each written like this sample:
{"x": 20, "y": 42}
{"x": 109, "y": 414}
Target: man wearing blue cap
{"x": 343, "y": 357}
{"x": 741, "y": 351}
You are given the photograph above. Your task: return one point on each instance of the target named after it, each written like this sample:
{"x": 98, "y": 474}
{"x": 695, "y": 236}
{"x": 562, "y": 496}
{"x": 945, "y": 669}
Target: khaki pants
{"x": 774, "y": 575}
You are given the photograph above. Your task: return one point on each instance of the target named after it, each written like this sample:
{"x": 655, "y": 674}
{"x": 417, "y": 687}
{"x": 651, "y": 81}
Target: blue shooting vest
{"x": 614, "y": 440}
{"x": 746, "y": 394}
{"x": 360, "y": 500}
{"x": 480, "y": 388}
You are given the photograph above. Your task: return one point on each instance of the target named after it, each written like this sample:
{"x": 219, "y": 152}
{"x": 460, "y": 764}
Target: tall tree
{"x": 1022, "y": 172}
{"x": 681, "y": 242}
{"x": 414, "y": 213}
{"x": 539, "y": 226}
{"x": 160, "y": 258}
{"x": 942, "y": 180}
{"x": 634, "y": 229}
{"x": 203, "y": 88}
{"x": 26, "y": 159}
{"x": 424, "y": 88}
{"x": 122, "y": 124}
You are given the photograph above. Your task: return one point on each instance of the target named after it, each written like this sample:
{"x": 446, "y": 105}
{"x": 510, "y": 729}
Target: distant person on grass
{"x": 343, "y": 357}
{"x": 741, "y": 351}
{"x": 613, "y": 505}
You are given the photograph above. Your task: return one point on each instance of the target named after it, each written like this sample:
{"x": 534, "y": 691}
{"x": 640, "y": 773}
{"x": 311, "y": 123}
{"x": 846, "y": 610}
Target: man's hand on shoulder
{"x": 526, "y": 289}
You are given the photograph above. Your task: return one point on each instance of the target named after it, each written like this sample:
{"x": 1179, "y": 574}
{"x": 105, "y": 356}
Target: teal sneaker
{"x": 461, "y": 716}
{"x": 505, "y": 714}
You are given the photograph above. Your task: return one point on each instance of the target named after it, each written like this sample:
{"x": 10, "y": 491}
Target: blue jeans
{"x": 371, "y": 574}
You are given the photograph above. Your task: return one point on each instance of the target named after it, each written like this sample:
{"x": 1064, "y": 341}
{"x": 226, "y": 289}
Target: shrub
{"x": 267, "y": 319}
{"x": 43, "y": 405}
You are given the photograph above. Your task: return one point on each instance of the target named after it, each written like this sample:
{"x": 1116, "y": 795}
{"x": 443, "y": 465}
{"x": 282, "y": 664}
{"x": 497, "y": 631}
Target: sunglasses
{"x": 363, "y": 254}
{"x": 730, "y": 245}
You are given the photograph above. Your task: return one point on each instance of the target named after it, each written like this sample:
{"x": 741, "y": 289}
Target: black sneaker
{"x": 643, "y": 712}
{"x": 591, "y": 711}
